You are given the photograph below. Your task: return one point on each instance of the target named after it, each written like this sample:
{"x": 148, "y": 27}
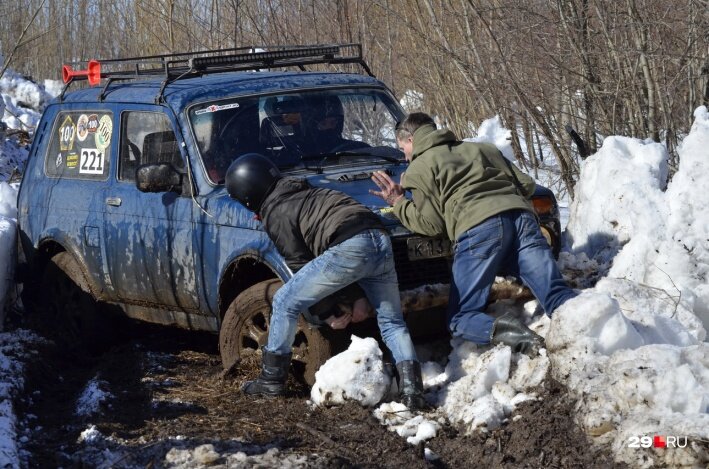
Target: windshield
{"x": 303, "y": 130}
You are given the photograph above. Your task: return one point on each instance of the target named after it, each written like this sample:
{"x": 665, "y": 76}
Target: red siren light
{"x": 92, "y": 73}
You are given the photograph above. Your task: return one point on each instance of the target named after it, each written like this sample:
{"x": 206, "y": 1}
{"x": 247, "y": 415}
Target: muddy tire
{"x": 67, "y": 312}
{"x": 245, "y": 330}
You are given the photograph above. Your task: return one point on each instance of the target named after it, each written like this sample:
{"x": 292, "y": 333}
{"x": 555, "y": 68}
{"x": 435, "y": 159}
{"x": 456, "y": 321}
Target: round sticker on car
{"x": 82, "y": 127}
{"x": 103, "y": 133}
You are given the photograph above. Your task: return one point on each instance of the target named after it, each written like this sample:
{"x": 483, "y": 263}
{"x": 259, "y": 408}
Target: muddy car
{"x": 123, "y": 207}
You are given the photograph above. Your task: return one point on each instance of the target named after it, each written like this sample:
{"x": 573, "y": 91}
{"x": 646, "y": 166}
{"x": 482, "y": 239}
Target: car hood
{"x": 353, "y": 181}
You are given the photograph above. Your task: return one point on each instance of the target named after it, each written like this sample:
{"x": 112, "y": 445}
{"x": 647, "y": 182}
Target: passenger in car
{"x": 325, "y": 125}
{"x": 471, "y": 193}
{"x": 330, "y": 241}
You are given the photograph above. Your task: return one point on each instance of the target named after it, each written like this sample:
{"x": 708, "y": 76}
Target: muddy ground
{"x": 169, "y": 391}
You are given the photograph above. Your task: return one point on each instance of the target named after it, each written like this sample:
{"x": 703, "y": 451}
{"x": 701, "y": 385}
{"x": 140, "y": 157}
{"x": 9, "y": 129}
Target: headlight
{"x": 543, "y": 205}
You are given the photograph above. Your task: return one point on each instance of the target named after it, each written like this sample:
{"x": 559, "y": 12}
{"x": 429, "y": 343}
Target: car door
{"x": 148, "y": 236}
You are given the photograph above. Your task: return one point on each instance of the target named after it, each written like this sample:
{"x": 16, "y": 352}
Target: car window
{"x": 80, "y": 145}
{"x": 293, "y": 128}
{"x": 146, "y": 138}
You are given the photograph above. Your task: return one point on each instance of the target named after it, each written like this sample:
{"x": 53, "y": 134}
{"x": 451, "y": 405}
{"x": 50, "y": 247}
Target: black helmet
{"x": 250, "y": 178}
{"x": 327, "y": 116}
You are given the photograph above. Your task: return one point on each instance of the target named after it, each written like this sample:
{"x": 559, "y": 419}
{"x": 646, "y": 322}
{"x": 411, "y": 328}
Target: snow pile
{"x": 357, "y": 374}
{"x": 15, "y": 349}
{"x": 24, "y": 99}
{"x": 93, "y": 398}
{"x": 663, "y": 237}
{"x": 633, "y": 378}
{"x": 632, "y": 349}
{"x": 481, "y": 389}
{"x": 492, "y": 131}
{"x": 478, "y": 389}
{"x": 8, "y": 233}
{"x": 606, "y": 216}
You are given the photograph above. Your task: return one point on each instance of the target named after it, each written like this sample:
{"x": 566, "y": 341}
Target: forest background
{"x": 636, "y": 68}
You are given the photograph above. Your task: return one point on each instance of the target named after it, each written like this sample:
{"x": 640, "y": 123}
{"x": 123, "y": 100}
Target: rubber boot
{"x": 411, "y": 384}
{"x": 272, "y": 380}
{"x": 509, "y": 330}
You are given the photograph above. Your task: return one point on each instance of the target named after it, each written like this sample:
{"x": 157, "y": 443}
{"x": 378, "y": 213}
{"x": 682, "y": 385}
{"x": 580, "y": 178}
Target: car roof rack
{"x": 173, "y": 67}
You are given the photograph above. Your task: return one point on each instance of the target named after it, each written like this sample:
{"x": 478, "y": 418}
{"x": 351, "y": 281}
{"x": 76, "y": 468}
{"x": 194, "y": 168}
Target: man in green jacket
{"x": 469, "y": 192}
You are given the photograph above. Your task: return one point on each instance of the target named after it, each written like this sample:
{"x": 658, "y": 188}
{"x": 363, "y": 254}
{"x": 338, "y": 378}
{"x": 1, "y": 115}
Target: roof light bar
{"x": 200, "y": 63}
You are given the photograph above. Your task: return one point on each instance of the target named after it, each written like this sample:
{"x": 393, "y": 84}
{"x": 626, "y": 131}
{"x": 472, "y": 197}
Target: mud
{"x": 169, "y": 391}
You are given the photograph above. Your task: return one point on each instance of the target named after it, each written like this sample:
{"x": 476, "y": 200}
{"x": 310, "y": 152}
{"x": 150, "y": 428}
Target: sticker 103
{"x": 91, "y": 161}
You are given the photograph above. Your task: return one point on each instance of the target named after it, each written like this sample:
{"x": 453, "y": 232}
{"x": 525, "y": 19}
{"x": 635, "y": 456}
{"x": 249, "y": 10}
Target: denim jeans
{"x": 365, "y": 258}
{"x": 510, "y": 243}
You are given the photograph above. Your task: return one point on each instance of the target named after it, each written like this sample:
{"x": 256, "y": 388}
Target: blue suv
{"x": 122, "y": 205}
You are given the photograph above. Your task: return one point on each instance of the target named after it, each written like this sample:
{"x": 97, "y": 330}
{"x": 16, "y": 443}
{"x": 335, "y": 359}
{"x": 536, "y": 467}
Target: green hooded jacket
{"x": 457, "y": 185}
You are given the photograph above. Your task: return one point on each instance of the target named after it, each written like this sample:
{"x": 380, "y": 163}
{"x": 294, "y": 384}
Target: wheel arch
{"x": 50, "y": 247}
{"x": 243, "y": 272}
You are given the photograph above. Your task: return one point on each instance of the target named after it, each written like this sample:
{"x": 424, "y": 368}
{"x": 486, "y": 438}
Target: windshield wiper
{"x": 373, "y": 154}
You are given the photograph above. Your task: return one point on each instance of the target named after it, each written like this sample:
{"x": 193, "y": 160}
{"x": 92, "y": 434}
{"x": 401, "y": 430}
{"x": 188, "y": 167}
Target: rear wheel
{"x": 67, "y": 312}
{"x": 245, "y": 330}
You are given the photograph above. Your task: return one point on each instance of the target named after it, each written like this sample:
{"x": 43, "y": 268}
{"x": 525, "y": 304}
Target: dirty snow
{"x": 93, "y": 398}
{"x": 357, "y": 374}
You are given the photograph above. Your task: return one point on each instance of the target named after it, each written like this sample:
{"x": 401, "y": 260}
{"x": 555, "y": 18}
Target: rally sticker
{"x": 92, "y": 125}
{"x": 215, "y": 108}
{"x": 67, "y": 131}
{"x": 72, "y": 160}
{"x": 82, "y": 127}
{"x": 92, "y": 161}
{"x": 103, "y": 134}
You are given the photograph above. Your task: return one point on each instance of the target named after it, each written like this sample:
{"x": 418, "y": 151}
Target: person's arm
{"x": 420, "y": 215}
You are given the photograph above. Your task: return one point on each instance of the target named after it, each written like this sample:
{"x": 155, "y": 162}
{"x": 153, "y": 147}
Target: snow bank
{"x": 632, "y": 348}
{"x": 24, "y": 99}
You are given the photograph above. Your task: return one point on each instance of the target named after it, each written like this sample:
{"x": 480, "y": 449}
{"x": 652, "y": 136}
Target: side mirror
{"x": 160, "y": 177}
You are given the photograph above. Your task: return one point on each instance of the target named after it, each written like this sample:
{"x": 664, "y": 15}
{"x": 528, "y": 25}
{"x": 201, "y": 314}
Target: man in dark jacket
{"x": 469, "y": 192}
{"x": 330, "y": 241}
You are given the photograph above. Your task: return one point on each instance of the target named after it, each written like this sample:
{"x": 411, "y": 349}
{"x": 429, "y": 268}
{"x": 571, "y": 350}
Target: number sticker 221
{"x": 91, "y": 161}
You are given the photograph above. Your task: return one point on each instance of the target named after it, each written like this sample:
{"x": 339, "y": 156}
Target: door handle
{"x": 115, "y": 201}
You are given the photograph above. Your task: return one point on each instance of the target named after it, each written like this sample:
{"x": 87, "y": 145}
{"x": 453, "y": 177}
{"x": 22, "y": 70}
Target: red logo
{"x": 659, "y": 442}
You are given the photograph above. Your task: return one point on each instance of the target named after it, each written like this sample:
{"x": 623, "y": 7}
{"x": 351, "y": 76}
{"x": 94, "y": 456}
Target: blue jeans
{"x": 510, "y": 243}
{"x": 365, "y": 258}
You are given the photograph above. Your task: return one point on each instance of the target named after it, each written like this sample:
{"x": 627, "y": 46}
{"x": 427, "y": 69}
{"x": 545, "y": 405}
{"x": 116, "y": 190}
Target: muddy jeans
{"x": 365, "y": 258}
{"x": 511, "y": 243}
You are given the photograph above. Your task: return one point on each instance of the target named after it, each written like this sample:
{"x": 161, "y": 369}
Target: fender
{"x": 68, "y": 245}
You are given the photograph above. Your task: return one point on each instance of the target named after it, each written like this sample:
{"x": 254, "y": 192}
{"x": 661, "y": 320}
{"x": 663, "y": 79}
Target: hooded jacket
{"x": 304, "y": 221}
{"x": 456, "y": 185}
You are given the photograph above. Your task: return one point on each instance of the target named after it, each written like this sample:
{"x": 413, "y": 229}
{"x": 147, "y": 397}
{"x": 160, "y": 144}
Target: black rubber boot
{"x": 272, "y": 380}
{"x": 509, "y": 330}
{"x": 411, "y": 384}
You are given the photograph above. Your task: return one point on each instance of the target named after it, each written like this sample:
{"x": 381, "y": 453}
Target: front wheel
{"x": 245, "y": 330}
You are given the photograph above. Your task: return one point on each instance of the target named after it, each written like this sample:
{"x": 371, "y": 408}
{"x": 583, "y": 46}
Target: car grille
{"x": 413, "y": 274}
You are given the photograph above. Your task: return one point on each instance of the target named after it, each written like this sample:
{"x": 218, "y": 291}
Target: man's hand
{"x": 341, "y": 322}
{"x": 390, "y": 191}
